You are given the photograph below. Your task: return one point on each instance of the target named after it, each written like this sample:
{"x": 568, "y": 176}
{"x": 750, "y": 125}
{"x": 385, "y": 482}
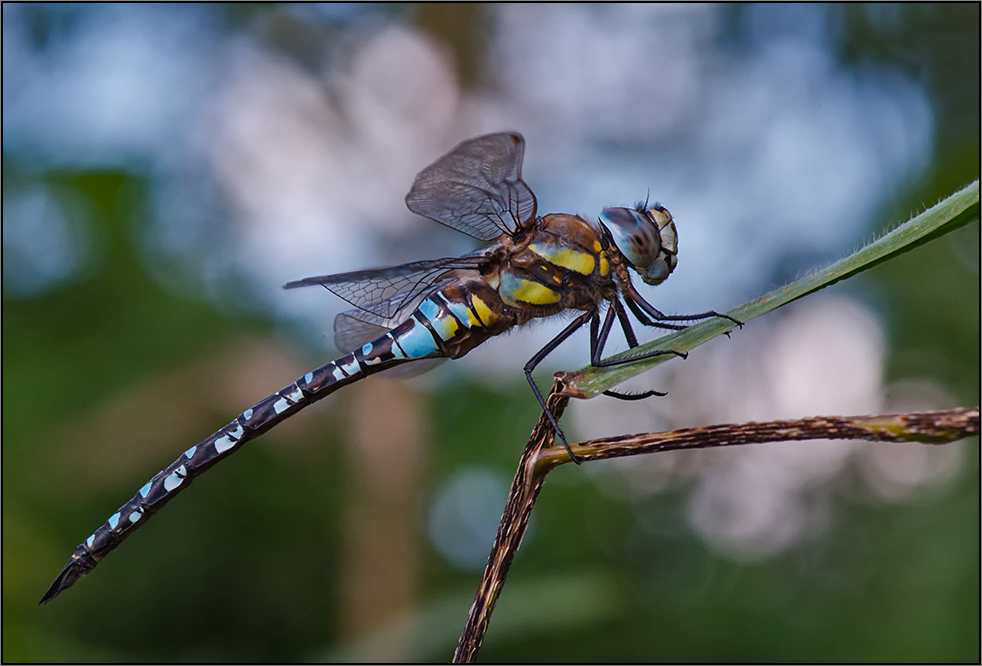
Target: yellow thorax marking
{"x": 604, "y": 264}
{"x": 566, "y": 257}
{"x": 529, "y": 291}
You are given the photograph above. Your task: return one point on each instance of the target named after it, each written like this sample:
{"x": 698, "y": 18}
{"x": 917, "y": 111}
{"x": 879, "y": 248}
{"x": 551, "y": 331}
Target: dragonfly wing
{"x": 391, "y": 293}
{"x": 350, "y": 333}
{"x": 477, "y": 188}
{"x": 353, "y": 328}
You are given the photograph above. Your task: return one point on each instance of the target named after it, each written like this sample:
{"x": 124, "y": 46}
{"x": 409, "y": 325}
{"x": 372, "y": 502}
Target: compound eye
{"x": 659, "y": 271}
{"x": 666, "y": 228}
{"x": 662, "y": 267}
{"x": 634, "y": 234}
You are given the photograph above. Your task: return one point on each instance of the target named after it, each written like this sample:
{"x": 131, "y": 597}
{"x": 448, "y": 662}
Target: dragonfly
{"x": 533, "y": 267}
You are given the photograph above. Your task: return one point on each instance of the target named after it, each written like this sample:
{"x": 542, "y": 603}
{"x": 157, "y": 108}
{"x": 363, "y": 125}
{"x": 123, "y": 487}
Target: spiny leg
{"x": 654, "y": 313}
{"x": 647, "y": 321}
{"x": 598, "y": 340}
{"x": 541, "y": 354}
{"x": 649, "y": 315}
{"x": 598, "y": 335}
{"x": 636, "y": 396}
{"x": 632, "y": 342}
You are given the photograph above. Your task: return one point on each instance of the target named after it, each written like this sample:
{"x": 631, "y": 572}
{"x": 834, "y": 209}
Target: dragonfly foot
{"x": 562, "y": 438}
{"x": 572, "y": 456}
{"x": 635, "y": 396}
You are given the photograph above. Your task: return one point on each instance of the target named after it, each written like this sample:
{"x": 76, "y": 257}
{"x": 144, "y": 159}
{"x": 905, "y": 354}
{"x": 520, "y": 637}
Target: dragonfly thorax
{"x": 646, "y": 238}
{"x": 560, "y": 263}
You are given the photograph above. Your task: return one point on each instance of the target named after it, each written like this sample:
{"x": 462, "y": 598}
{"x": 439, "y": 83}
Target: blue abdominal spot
{"x": 417, "y": 342}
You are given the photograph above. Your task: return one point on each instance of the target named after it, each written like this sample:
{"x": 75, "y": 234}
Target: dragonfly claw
{"x": 562, "y": 438}
{"x": 635, "y": 396}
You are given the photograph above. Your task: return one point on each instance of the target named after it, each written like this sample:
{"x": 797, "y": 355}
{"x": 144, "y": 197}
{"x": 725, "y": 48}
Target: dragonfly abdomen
{"x": 178, "y": 475}
{"x": 462, "y": 315}
{"x": 445, "y": 324}
{"x": 251, "y": 423}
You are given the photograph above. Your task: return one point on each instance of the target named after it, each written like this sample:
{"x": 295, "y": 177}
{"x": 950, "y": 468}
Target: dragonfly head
{"x": 646, "y": 237}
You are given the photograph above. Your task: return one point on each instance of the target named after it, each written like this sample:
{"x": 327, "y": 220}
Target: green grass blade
{"x": 956, "y": 211}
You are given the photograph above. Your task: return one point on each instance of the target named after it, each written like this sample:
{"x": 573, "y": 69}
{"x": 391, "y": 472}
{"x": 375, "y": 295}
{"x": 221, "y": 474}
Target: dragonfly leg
{"x": 643, "y": 395}
{"x": 647, "y": 321}
{"x": 654, "y": 313}
{"x": 632, "y": 342}
{"x": 598, "y": 340}
{"x": 597, "y": 344}
{"x": 541, "y": 354}
{"x": 598, "y": 336}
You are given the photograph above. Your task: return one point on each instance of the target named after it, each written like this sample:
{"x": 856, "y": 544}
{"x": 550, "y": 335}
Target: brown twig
{"x": 940, "y": 427}
{"x": 540, "y": 458}
{"x": 524, "y": 489}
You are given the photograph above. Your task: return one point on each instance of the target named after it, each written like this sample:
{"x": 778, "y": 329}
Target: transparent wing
{"x": 390, "y": 294}
{"x": 353, "y": 328}
{"x": 477, "y": 188}
{"x": 350, "y": 333}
